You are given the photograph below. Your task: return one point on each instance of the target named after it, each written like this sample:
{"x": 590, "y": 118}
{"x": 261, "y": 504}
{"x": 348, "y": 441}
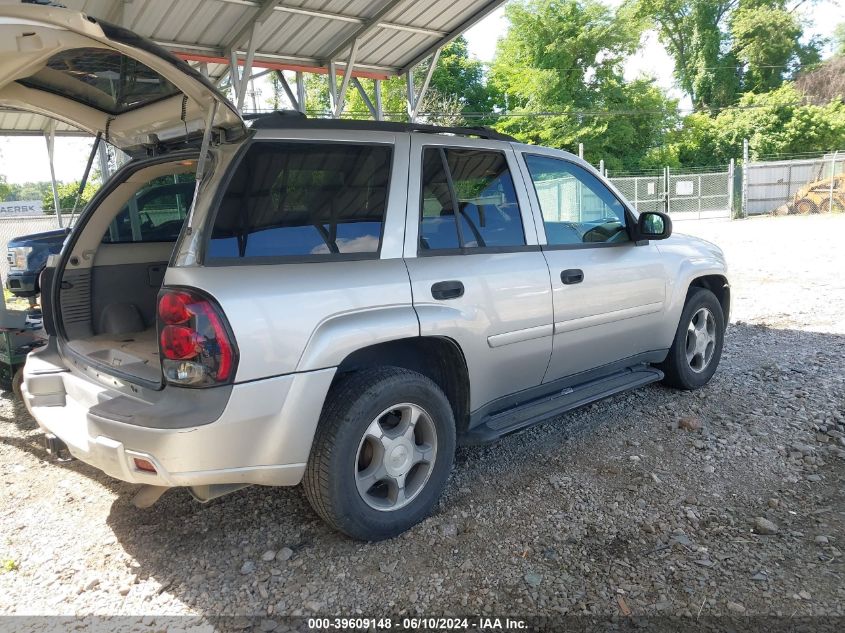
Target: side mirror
{"x": 654, "y": 225}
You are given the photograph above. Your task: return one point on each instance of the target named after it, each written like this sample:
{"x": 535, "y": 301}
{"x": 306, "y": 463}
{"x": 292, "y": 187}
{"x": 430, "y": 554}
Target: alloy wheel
{"x": 396, "y": 457}
{"x": 701, "y": 340}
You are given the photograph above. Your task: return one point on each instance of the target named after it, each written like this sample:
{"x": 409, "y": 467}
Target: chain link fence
{"x": 798, "y": 186}
{"x": 646, "y": 192}
{"x": 687, "y": 194}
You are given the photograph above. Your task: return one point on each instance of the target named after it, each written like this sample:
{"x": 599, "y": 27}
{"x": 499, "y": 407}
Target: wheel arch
{"x": 439, "y": 358}
{"x": 719, "y": 286}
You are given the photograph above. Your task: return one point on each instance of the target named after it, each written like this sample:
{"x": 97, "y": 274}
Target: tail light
{"x": 196, "y": 344}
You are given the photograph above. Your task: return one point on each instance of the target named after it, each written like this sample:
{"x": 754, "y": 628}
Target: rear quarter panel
{"x": 299, "y": 317}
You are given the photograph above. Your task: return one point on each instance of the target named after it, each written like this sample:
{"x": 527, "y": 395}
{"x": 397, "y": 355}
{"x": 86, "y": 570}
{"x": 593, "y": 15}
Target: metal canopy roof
{"x": 376, "y": 38}
{"x": 393, "y": 35}
{"x": 18, "y": 123}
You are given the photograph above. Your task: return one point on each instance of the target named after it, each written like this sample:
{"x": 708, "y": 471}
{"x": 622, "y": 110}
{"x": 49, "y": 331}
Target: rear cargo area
{"x": 111, "y": 281}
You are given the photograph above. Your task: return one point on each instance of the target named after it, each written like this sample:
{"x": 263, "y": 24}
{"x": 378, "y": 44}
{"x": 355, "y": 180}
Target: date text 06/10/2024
{"x": 417, "y": 624}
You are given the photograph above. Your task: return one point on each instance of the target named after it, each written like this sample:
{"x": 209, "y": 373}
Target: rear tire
{"x": 697, "y": 348}
{"x": 382, "y": 453}
{"x": 17, "y": 381}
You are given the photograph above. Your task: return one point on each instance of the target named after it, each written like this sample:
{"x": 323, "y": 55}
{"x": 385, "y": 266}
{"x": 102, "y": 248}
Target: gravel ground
{"x": 729, "y": 500}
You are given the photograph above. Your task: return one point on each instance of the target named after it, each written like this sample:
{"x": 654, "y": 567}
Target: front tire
{"x": 805, "y": 207}
{"x": 382, "y": 453}
{"x": 697, "y": 348}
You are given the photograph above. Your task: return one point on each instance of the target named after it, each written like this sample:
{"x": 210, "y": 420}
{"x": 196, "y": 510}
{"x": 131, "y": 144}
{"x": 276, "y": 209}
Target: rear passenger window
{"x": 304, "y": 200}
{"x": 468, "y": 201}
{"x": 154, "y": 214}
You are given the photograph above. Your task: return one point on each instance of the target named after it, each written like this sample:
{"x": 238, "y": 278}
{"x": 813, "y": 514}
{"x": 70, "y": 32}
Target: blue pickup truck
{"x": 27, "y": 255}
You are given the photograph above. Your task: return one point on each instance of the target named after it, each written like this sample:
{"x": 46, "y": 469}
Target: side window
{"x": 155, "y": 213}
{"x": 304, "y": 200}
{"x": 577, "y": 208}
{"x": 468, "y": 200}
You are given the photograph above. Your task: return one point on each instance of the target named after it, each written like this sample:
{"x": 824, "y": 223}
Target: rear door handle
{"x": 572, "y": 276}
{"x": 447, "y": 290}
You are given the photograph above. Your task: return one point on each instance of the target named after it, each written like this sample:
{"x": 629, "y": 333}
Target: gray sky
{"x": 25, "y": 159}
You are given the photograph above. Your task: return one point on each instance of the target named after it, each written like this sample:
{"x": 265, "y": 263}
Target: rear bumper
{"x": 263, "y": 435}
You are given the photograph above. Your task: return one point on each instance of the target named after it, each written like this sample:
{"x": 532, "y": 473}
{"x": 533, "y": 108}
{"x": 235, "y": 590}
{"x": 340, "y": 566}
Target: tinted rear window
{"x": 306, "y": 200}
{"x": 103, "y": 79}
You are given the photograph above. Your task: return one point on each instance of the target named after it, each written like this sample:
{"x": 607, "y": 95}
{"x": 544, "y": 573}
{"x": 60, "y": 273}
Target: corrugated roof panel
{"x": 387, "y": 48}
{"x": 444, "y": 14}
{"x": 300, "y": 35}
{"x": 205, "y": 26}
{"x": 16, "y": 122}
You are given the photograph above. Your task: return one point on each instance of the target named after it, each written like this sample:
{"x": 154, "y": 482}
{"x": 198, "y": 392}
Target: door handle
{"x": 447, "y": 290}
{"x": 572, "y": 276}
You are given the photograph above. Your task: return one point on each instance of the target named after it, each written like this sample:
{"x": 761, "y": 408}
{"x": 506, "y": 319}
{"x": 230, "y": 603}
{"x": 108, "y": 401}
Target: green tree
{"x": 559, "y": 52}
{"x": 67, "y": 196}
{"x": 725, "y": 48}
{"x": 780, "y": 122}
{"x": 563, "y": 59}
{"x": 776, "y": 122}
{"x": 5, "y": 189}
{"x": 459, "y": 76}
{"x": 692, "y": 33}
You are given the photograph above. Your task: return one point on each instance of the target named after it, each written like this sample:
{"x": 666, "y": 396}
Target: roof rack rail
{"x": 294, "y": 120}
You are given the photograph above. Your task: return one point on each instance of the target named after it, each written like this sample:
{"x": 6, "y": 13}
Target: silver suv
{"x": 344, "y": 301}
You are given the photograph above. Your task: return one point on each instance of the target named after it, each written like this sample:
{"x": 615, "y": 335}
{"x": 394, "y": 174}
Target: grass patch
{"x": 9, "y": 565}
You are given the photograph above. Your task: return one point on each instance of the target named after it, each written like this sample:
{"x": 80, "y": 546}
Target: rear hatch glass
{"x": 103, "y": 79}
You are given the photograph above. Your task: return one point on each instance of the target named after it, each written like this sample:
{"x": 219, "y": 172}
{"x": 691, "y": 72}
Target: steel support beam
{"x": 243, "y": 82}
{"x": 410, "y": 92}
{"x": 379, "y": 104}
{"x": 294, "y": 102}
{"x": 103, "y": 155}
{"x": 347, "y": 75}
{"x": 300, "y": 91}
{"x": 50, "y": 137}
{"x": 366, "y": 98}
{"x": 369, "y": 25}
{"x": 332, "y": 87}
{"x": 415, "y": 100}
{"x": 234, "y": 78}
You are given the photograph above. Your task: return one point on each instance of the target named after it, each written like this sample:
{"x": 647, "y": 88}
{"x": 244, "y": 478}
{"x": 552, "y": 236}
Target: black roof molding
{"x": 293, "y": 120}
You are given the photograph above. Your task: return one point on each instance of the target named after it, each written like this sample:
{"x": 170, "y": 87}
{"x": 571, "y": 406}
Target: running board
{"x": 541, "y": 409}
